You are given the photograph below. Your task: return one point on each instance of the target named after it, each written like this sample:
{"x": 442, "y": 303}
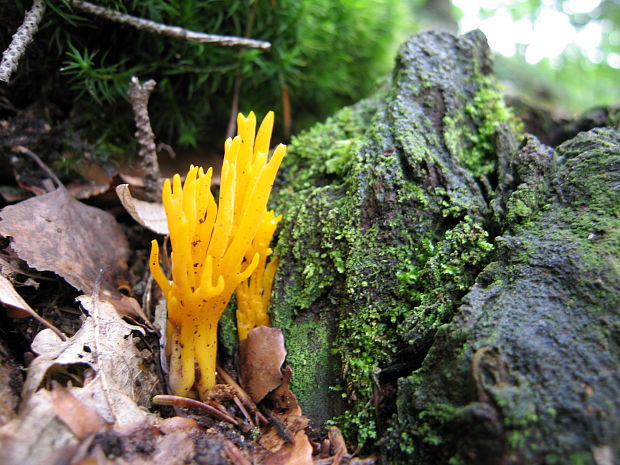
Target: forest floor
{"x": 81, "y": 371}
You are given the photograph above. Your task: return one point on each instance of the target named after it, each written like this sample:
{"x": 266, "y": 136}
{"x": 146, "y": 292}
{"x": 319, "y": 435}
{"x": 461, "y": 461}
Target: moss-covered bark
{"x": 392, "y": 210}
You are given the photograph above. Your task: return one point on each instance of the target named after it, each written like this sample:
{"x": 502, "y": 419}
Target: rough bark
{"x": 457, "y": 281}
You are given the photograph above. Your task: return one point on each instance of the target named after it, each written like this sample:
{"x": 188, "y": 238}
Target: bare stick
{"x": 171, "y": 31}
{"x": 38, "y": 161}
{"x": 22, "y": 37}
{"x": 139, "y": 96}
{"x": 186, "y": 402}
{"x": 242, "y": 395}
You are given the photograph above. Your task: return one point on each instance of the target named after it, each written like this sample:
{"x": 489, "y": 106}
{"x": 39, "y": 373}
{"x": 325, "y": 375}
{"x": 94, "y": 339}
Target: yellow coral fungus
{"x": 253, "y": 295}
{"x": 215, "y": 248}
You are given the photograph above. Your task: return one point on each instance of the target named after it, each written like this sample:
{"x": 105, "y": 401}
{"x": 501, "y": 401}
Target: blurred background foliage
{"x": 325, "y": 54}
{"x": 565, "y": 53}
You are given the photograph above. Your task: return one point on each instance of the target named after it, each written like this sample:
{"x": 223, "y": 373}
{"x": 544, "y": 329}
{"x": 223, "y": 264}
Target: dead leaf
{"x": 105, "y": 344}
{"x": 55, "y": 232}
{"x": 261, "y": 355}
{"x": 283, "y": 398}
{"x": 95, "y": 181}
{"x": 36, "y": 435}
{"x": 78, "y": 416}
{"x": 277, "y": 451}
{"x": 152, "y": 444}
{"x": 149, "y": 214}
{"x": 298, "y": 453}
{"x": 19, "y": 307}
{"x": 13, "y": 194}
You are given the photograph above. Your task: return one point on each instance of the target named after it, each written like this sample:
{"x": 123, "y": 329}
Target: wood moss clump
{"x": 420, "y": 240}
{"x": 385, "y": 230}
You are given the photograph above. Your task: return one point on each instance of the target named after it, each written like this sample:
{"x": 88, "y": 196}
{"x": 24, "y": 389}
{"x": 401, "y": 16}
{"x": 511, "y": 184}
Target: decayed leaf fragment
{"x": 81, "y": 419}
{"x": 54, "y": 232}
{"x": 104, "y": 343}
{"x": 151, "y": 215}
{"x": 278, "y": 451}
{"x": 261, "y": 356}
{"x": 9, "y": 373}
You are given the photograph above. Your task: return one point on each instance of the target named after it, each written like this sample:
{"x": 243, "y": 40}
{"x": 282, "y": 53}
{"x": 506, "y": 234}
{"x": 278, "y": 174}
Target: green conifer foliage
{"x": 324, "y": 54}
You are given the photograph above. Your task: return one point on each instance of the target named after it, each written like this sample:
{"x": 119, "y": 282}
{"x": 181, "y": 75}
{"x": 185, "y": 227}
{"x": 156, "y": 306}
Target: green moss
{"x": 475, "y": 148}
{"x": 581, "y": 458}
{"x": 309, "y": 354}
{"x": 442, "y": 270}
{"x": 384, "y": 232}
{"x": 323, "y": 154}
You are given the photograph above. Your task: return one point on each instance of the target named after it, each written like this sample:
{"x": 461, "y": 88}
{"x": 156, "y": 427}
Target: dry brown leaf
{"x": 95, "y": 181}
{"x": 55, "y": 232}
{"x": 149, "y": 214}
{"x": 277, "y": 451}
{"x": 283, "y": 398}
{"x": 77, "y": 415}
{"x": 153, "y": 444}
{"x": 18, "y": 308}
{"x": 10, "y": 298}
{"x": 105, "y": 344}
{"x": 261, "y": 356}
{"x": 36, "y": 434}
{"x": 298, "y": 453}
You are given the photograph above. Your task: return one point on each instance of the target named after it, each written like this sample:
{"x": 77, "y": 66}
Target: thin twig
{"x": 139, "y": 96}
{"x": 243, "y": 396}
{"x": 38, "y": 161}
{"x": 171, "y": 31}
{"x": 22, "y": 37}
{"x": 245, "y": 413}
{"x": 186, "y": 402}
{"x": 281, "y": 429}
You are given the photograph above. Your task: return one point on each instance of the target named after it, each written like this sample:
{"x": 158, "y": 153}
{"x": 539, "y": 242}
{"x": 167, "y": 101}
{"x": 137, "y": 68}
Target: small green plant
{"x": 102, "y": 83}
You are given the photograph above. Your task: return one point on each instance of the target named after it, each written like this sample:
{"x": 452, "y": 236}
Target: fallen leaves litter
{"x": 291, "y": 448}
{"x": 9, "y": 375}
{"x": 282, "y": 397}
{"x": 101, "y": 369}
{"x": 54, "y": 232}
{"x": 109, "y": 366}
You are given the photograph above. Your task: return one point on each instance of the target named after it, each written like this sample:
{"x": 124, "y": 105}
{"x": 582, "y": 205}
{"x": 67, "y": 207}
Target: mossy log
{"x": 449, "y": 287}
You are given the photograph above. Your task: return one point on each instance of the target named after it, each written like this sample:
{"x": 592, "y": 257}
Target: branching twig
{"x": 139, "y": 96}
{"x": 171, "y": 31}
{"x": 22, "y": 37}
